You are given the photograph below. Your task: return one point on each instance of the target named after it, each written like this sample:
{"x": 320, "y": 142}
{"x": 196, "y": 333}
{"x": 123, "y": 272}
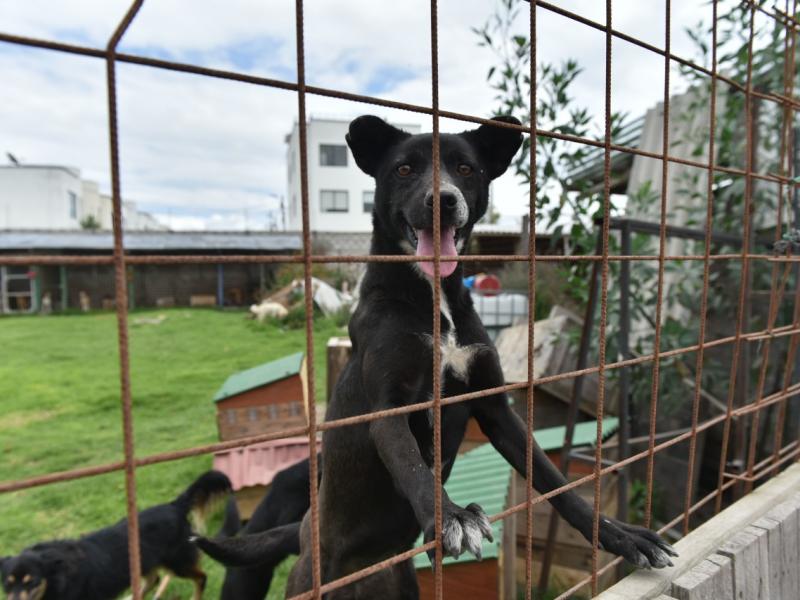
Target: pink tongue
{"x": 448, "y": 248}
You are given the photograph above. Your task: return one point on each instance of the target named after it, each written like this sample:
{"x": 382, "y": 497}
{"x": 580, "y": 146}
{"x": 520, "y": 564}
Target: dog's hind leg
{"x": 148, "y": 583}
{"x": 162, "y": 587}
{"x": 151, "y": 579}
{"x": 199, "y": 579}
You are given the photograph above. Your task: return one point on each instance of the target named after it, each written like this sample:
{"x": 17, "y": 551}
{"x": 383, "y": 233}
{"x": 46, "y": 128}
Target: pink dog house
{"x": 252, "y": 469}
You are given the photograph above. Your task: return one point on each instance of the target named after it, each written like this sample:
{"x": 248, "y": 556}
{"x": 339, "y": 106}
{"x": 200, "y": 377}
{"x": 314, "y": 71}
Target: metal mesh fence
{"x": 781, "y": 269}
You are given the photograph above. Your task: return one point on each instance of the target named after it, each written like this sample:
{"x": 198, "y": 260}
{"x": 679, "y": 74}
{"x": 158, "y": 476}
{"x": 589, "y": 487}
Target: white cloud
{"x": 204, "y": 150}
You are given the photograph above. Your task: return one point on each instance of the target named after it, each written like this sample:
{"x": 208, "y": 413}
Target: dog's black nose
{"x": 448, "y": 200}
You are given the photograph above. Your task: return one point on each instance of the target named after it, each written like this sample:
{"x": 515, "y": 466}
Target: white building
{"x": 56, "y": 197}
{"x": 340, "y": 195}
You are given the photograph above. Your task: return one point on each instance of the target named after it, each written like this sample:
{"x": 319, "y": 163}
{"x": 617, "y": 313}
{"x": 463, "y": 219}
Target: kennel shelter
{"x": 268, "y": 398}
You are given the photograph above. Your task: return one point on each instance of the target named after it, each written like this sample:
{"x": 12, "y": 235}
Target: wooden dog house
{"x": 265, "y": 399}
{"x": 483, "y": 476}
{"x": 251, "y": 469}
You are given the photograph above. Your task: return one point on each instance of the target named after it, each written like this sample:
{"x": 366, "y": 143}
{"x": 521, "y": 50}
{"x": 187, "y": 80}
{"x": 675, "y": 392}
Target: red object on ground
{"x": 488, "y": 285}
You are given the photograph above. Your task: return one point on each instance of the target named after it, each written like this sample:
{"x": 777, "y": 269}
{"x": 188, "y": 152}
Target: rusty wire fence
{"x": 784, "y": 451}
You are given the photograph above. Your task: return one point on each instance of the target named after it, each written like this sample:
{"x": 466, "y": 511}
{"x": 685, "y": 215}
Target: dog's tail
{"x": 254, "y": 549}
{"x": 199, "y": 499}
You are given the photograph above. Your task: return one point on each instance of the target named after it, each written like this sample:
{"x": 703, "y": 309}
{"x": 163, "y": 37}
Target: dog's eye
{"x": 404, "y": 170}
{"x": 464, "y": 170}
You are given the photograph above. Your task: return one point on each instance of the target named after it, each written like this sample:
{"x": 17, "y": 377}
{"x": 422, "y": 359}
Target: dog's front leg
{"x": 507, "y": 433}
{"x": 463, "y": 529}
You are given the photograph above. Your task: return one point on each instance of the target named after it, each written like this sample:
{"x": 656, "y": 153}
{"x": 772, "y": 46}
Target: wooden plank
{"x": 782, "y": 524}
{"x": 692, "y": 585}
{"x": 708, "y": 579}
{"x": 775, "y": 570}
{"x": 705, "y": 540}
{"x": 748, "y": 552}
{"x": 724, "y": 581}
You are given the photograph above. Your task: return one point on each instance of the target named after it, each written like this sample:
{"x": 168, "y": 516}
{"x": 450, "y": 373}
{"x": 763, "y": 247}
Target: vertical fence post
{"x": 624, "y": 375}
{"x": 572, "y": 412}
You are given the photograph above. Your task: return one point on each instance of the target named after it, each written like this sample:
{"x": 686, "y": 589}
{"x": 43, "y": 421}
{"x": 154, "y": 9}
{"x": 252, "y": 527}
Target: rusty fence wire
{"x": 784, "y": 452}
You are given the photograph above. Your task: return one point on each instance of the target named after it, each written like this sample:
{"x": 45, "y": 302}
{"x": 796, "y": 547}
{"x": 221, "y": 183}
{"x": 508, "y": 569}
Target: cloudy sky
{"x": 204, "y": 153}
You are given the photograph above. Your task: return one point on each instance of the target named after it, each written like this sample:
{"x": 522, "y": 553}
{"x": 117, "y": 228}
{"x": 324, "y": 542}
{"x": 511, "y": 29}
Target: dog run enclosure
{"x": 748, "y": 412}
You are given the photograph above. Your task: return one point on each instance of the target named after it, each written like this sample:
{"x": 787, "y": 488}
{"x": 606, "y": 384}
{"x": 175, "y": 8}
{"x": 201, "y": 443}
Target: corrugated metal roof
{"x": 592, "y": 166}
{"x": 258, "y": 464}
{"x": 585, "y": 434}
{"x": 482, "y": 476}
{"x": 261, "y": 375}
{"x": 160, "y": 241}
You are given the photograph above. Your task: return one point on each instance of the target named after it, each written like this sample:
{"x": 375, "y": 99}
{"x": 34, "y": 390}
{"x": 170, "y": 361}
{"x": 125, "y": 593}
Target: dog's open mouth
{"x": 422, "y": 240}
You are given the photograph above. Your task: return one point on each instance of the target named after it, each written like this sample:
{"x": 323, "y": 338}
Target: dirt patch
{"x": 19, "y": 419}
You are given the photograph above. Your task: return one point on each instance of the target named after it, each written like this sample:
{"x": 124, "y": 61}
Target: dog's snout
{"x": 448, "y": 200}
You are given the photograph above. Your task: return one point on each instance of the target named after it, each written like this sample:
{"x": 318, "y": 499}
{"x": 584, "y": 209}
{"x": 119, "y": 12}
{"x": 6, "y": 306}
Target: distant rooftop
{"x": 71, "y": 170}
{"x": 151, "y": 241}
{"x": 263, "y": 374}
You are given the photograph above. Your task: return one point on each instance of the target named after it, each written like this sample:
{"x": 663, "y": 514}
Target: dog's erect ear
{"x": 369, "y": 138}
{"x": 496, "y": 145}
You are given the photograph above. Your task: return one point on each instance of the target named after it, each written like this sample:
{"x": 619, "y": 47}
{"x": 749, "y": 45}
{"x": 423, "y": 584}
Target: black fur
{"x": 95, "y": 566}
{"x": 284, "y": 504}
{"x": 377, "y": 492}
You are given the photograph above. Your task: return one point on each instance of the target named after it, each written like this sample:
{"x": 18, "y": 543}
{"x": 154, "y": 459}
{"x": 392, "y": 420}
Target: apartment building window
{"x": 73, "y": 205}
{"x": 332, "y": 155}
{"x": 333, "y": 200}
{"x": 369, "y": 201}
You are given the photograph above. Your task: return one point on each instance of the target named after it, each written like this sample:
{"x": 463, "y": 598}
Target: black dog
{"x": 95, "y": 567}
{"x": 377, "y": 492}
{"x": 284, "y": 504}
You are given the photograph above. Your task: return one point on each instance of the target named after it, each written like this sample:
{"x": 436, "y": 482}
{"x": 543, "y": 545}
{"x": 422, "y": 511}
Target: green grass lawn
{"x": 60, "y": 409}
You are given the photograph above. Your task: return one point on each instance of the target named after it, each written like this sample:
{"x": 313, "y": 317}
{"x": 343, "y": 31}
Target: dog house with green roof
{"x": 264, "y": 399}
{"x": 483, "y": 476}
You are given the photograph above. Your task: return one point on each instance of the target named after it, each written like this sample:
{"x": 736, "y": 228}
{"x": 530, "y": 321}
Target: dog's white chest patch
{"x": 455, "y": 357}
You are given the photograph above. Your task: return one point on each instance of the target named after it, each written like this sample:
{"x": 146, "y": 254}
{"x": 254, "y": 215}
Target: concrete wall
{"x": 96, "y": 204}
{"x": 39, "y": 197}
{"x": 55, "y": 197}
{"x": 348, "y": 178}
{"x": 148, "y": 283}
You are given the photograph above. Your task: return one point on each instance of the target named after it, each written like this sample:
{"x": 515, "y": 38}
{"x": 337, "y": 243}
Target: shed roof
{"x": 482, "y": 476}
{"x": 152, "y": 241}
{"x": 263, "y": 374}
{"x": 585, "y": 434}
{"x": 257, "y": 464}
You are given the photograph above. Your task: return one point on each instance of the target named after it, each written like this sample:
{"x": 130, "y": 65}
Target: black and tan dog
{"x": 284, "y": 504}
{"x": 377, "y": 490}
{"x": 95, "y": 566}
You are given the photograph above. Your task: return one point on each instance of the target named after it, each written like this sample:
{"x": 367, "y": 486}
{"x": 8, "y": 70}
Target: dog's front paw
{"x": 463, "y": 530}
{"x": 639, "y": 546}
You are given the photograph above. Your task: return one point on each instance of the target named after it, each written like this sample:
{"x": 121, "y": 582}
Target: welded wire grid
{"x": 780, "y": 275}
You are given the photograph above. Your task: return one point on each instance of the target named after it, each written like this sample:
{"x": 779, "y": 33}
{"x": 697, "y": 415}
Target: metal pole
{"x": 220, "y": 285}
{"x": 572, "y": 414}
{"x": 62, "y": 271}
{"x": 624, "y": 378}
